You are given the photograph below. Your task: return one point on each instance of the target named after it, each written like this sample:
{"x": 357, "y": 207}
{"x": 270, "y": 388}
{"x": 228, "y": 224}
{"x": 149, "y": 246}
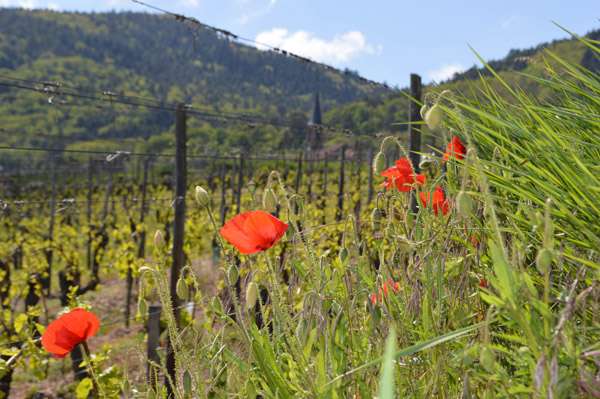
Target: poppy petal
{"x": 253, "y": 231}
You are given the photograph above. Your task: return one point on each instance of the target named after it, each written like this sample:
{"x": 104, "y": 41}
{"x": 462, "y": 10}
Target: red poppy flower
{"x": 483, "y": 282}
{"x": 475, "y": 241}
{"x": 438, "y": 203}
{"x": 68, "y": 330}
{"x": 402, "y": 176}
{"x": 456, "y": 149}
{"x": 383, "y": 291}
{"x": 253, "y": 231}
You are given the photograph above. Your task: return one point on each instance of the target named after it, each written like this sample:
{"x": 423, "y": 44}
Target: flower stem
{"x": 88, "y": 362}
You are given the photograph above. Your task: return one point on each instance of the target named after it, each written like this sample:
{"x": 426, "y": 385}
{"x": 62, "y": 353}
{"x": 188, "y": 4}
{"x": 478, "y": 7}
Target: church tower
{"x": 314, "y": 129}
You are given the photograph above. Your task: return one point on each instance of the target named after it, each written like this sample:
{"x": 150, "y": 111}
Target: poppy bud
{"x": 159, "y": 240}
{"x": 301, "y": 330}
{"x": 251, "y": 187}
{"x": 410, "y": 217}
{"x": 182, "y": 289}
{"x": 233, "y": 274}
{"x": 379, "y": 163}
{"x": 344, "y": 255}
{"x": 543, "y": 260}
{"x": 251, "y": 295}
{"x": 269, "y": 200}
{"x": 202, "y": 196}
{"x": 426, "y": 162}
{"x": 217, "y": 306}
{"x": 465, "y": 206}
{"x": 433, "y": 117}
{"x": 142, "y": 307}
{"x": 403, "y": 244}
{"x": 187, "y": 383}
{"x": 376, "y": 218}
{"x": 487, "y": 359}
{"x": 423, "y": 111}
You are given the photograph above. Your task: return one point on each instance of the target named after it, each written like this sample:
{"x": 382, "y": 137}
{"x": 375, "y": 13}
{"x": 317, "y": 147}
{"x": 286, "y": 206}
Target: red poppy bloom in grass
{"x": 383, "y": 291}
{"x": 438, "y": 203}
{"x": 253, "y": 231}
{"x": 402, "y": 176}
{"x": 456, "y": 149}
{"x": 68, "y": 330}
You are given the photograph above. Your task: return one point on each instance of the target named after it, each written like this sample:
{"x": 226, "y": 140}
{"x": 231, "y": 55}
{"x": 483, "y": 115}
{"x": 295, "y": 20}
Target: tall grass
{"x": 511, "y": 313}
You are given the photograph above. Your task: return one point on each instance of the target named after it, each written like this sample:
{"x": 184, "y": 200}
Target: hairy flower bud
{"x": 433, "y": 117}
{"x": 233, "y": 274}
{"x": 376, "y": 218}
{"x": 269, "y": 200}
{"x": 344, "y": 255}
{"x": 465, "y": 206}
{"x": 423, "y": 110}
{"x": 202, "y": 196}
{"x": 543, "y": 260}
{"x": 379, "y": 163}
{"x": 487, "y": 359}
{"x": 251, "y": 187}
{"x": 142, "y": 307}
{"x": 159, "y": 240}
{"x": 182, "y": 289}
{"x": 251, "y": 295}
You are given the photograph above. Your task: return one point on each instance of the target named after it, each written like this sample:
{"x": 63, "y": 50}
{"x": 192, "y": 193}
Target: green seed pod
{"x": 410, "y": 218}
{"x": 465, "y": 205}
{"x": 233, "y": 274}
{"x": 344, "y": 255}
{"x": 376, "y": 218}
{"x": 159, "y": 240}
{"x": 142, "y": 307}
{"x": 217, "y": 306}
{"x": 487, "y": 359}
{"x": 543, "y": 260}
{"x": 251, "y": 187}
{"x": 379, "y": 163}
{"x": 182, "y": 289}
{"x": 269, "y": 200}
{"x": 433, "y": 117}
{"x": 301, "y": 330}
{"x": 202, "y": 196}
{"x": 423, "y": 110}
{"x": 187, "y": 383}
{"x": 251, "y": 294}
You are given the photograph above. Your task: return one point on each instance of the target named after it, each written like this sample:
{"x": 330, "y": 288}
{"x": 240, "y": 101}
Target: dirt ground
{"x": 109, "y": 305}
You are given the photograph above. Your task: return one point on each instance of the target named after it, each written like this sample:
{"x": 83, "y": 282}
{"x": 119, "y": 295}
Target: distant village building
{"x": 314, "y": 129}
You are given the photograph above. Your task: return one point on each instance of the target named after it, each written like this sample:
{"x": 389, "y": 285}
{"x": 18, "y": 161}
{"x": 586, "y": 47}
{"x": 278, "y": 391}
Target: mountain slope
{"x": 155, "y": 57}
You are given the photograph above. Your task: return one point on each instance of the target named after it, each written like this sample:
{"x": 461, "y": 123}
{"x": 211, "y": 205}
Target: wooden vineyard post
{"x": 178, "y": 233}
{"x": 89, "y": 215}
{"x": 370, "y": 197}
{"x": 223, "y": 190}
{"x": 414, "y": 115}
{"x": 340, "y": 206}
{"x": 153, "y": 342}
{"x": 46, "y": 281}
{"x": 142, "y": 244}
{"x": 299, "y": 173}
{"x": 239, "y": 184}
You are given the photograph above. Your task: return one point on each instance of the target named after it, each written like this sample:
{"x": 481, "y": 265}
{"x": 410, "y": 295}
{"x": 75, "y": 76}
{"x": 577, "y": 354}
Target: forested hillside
{"x": 153, "y": 57}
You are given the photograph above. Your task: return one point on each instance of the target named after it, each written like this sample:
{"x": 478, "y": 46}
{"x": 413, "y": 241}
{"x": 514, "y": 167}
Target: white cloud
{"x": 509, "y": 21}
{"x": 189, "y": 3}
{"x": 53, "y": 6}
{"x": 340, "y": 49}
{"x": 446, "y": 71}
{"x": 29, "y": 4}
{"x": 265, "y": 10}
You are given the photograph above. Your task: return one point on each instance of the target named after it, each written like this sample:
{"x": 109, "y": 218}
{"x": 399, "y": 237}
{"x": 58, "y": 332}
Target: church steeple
{"x": 314, "y": 130}
{"x": 315, "y": 117}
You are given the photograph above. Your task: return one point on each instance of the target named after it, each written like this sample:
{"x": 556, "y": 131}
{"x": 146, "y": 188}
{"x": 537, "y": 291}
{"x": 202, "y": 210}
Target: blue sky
{"x": 383, "y": 40}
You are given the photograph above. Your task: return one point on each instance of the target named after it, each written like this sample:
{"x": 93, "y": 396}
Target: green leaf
{"x": 20, "y": 322}
{"x": 386, "y": 387}
{"x": 84, "y": 387}
{"x": 299, "y": 268}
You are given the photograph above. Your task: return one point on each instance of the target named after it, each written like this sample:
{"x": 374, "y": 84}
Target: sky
{"x": 384, "y": 40}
